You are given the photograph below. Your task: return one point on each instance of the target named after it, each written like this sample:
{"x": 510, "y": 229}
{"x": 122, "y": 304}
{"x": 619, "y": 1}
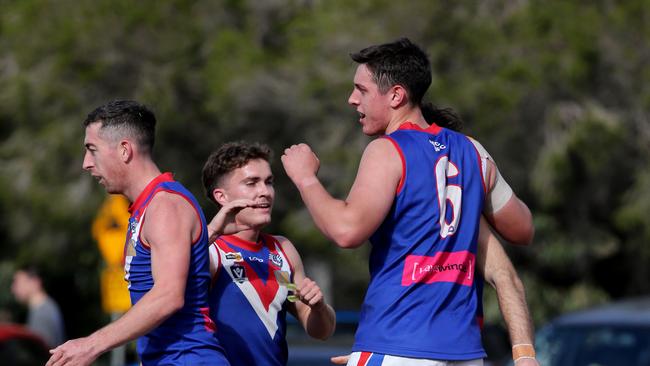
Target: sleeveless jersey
{"x": 186, "y": 337}
{"x": 247, "y": 299}
{"x": 423, "y": 298}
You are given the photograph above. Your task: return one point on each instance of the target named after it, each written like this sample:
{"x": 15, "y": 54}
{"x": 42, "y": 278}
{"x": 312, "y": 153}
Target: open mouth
{"x": 361, "y": 115}
{"x": 262, "y": 205}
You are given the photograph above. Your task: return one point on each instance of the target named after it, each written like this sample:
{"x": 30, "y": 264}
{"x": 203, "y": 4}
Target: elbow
{"x": 322, "y": 336}
{"x": 520, "y": 235}
{"x": 324, "y": 333}
{"x": 174, "y": 304}
{"x": 501, "y": 278}
{"x": 348, "y": 240}
{"x": 525, "y": 236}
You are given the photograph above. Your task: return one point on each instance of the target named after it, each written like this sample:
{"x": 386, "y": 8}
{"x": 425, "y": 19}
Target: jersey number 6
{"x": 451, "y": 193}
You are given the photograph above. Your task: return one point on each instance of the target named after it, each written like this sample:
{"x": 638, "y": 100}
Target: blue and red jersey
{"x": 423, "y": 296}
{"x": 186, "y": 337}
{"x": 248, "y": 299}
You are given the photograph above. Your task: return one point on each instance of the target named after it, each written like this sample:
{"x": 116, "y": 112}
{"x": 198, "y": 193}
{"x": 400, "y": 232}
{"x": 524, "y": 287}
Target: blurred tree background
{"x": 559, "y": 93}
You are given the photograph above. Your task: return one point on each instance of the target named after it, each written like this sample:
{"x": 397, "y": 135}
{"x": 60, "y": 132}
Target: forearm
{"x": 321, "y": 322}
{"x": 514, "y": 309}
{"x": 497, "y": 269}
{"x": 152, "y": 309}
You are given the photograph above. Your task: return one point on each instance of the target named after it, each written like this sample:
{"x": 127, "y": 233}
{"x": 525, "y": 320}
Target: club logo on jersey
{"x": 130, "y": 248}
{"x": 133, "y": 223}
{"x": 238, "y": 273}
{"x": 235, "y": 256}
{"x": 437, "y": 146}
{"x": 276, "y": 259}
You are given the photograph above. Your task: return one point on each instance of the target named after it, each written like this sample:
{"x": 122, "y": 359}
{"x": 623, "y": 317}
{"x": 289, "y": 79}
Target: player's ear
{"x": 220, "y": 196}
{"x": 398, "y": 96}
{"x": 125, "y": 149}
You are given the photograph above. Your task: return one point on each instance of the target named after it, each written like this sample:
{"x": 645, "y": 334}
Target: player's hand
{"x": 340, "y": 360}
{"x": 310, "y": 294}
{"x": 76, "y": 352}
{"x": 224, "y": 221}
{"x": 300, "y": 163}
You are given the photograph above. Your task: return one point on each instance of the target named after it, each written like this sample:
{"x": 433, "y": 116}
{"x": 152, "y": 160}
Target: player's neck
{"x": 141, "y": 175}
{"x": 37, "y": 299}
{"x": 411, "y": 114}
{"x": 249, "y": 235}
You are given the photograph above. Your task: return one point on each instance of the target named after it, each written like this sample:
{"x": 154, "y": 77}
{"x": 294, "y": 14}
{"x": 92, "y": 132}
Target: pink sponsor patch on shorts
{"x": 456, "y": 267}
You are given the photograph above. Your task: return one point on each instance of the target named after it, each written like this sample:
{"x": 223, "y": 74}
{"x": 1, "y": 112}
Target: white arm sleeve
{"x": 501, "y": 192}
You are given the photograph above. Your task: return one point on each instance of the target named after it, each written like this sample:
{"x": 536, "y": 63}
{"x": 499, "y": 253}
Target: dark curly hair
{"x": 228, "y": 157}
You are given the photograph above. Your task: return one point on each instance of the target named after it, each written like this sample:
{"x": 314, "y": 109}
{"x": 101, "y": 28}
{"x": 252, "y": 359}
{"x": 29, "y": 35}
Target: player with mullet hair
{"x": 419, "y": 197}
{"x": 166, "y": 255}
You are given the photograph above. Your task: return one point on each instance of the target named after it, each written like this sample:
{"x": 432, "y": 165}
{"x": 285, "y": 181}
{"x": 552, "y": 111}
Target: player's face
{"x": 373, "y": 107}
{"x": 252, "y": 181}
{"x": 102, "y": 159}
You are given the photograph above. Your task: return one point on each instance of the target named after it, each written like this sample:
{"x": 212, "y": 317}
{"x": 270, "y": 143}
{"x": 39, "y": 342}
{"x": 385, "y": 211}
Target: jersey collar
{"x": 164, "y": 177}
{"x": 433, "y": 129}
{"x": 245, "y": 244}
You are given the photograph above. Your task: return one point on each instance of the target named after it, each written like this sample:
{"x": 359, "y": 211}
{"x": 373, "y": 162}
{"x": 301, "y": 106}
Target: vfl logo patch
{"x": 455, "y": 267}
{"x": 276, "y": 259}
{"x": 234, "y": 257}
{"x": 437, "y": 146}
{"x": 239, "y": 273}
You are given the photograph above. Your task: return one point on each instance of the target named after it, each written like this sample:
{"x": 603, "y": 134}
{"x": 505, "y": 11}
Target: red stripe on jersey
{"x": 363, "y": 359}
{"x": 209, "y": 325}
{"x": 402, "y": 179}
{"x": 432, "y": 129}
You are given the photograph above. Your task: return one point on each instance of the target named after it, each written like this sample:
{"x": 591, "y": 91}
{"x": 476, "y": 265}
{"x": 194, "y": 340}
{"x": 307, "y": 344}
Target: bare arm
{"x": 348, "y": 222}
{"x": 315, "y": 316}
{"x": 224, "y": 221}
{"x": 513, "y": 222}
{"x": 170, "y": 226}
{"x": 497, "y": 269}
{"x": 507, "y": 214}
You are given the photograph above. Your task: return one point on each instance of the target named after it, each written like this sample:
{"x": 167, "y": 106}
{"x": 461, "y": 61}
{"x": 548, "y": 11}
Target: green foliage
{"x": 556, "y": 91}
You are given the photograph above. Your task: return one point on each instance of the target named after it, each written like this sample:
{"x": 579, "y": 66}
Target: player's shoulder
{"x": 279, "y": 239}
{"x": 169, "y": 201}
{"x": 383, "y": 147}
{"x": 286, "y": 245}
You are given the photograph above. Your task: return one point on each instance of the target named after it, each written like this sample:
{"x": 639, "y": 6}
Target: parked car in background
{"x": 617, "y": 334}
{"x": 20, "y": 347}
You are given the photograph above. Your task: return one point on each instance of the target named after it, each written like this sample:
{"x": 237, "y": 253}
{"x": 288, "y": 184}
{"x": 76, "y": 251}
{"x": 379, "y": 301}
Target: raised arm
{"x": 169, "y": 230}
{"x": 497, "y": 269}
{"x": 315, "y": 315}
{"x": 350, "y": 222}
